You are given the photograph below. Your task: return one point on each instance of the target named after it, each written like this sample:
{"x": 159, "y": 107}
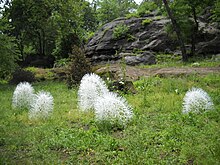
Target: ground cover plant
{"x": 174, "y": 60}
{"x": 159, "y": 132}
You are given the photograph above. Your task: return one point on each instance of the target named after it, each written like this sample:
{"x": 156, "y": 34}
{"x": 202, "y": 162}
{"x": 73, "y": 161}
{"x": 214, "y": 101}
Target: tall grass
{"x": 158, "y": 134}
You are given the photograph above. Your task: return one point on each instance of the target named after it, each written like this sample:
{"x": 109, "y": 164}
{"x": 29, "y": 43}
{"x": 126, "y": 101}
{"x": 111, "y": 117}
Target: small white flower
{"x": 177, "y": 91}
{"x": 23, "y": 95}
{"x": 91, "y": 87}
{"x": 113, "y": 108}
{"x": 196, "y": 100}
{"x": 42, "y": 105}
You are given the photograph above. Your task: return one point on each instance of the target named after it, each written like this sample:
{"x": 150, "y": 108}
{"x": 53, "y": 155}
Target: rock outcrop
{"x": 145, "y": 37}
{"x": 141, "y": 39}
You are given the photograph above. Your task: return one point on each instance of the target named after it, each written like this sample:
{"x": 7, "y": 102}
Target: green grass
{"x": 172, "y": 60}
{"x": 158, "y": 134}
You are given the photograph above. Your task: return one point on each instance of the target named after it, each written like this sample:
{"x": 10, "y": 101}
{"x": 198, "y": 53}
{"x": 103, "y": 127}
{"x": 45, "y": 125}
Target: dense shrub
{"x": 64, "y": 45}
{"x": 21, "y": 75}
{"x": 146, "y": 8}
{"x": 79, "y": 66}
{"x": 120, "y": 31}
{"x": 146, "y": 22}
{"x": 8, "y": 51}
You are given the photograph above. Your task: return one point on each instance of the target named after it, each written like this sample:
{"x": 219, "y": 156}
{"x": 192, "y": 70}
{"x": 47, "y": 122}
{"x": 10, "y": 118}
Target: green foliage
{"x": 64, "y": 62}
{"x": 21, "y": 75}
{"x": 8, "y": 57}
{"x": 78, "y": 67}
{"x": 89, "y": 35}
{"x": 8, "y": 51}
{"x": 65, "y": 45}
{"x": 45, "y": 27}
{"x": 216, "y": 11}
{"x": 109, "y": 10}
{"x": 120, "y": 31}
{"x": 146, "y": 8}
{"x": 131, "y": 37}
{"x": 183, "y": 12}
{"x": 71, "y": 28}
{"x": 146, "y": 22}
{"x": 42, "y": 74}
{"x": 132, "y": 15}
{"x": 173, "y": 60}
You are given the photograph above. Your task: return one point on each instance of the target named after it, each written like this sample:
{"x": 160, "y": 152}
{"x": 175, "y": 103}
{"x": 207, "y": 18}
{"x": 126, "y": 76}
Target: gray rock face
{"x": 210, "y": 47}
{"x": 146, "y": 38}
{"x": 149, "y": 37}
{"x": 146, "y": 58}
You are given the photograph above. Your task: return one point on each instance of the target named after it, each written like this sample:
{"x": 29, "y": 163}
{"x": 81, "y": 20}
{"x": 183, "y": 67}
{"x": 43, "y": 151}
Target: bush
{"x": 64, "y": 45}
{"x": 120, "y": 31}
{"x": 8, "y": 51}
{"x": 132, "y": 15}
{"x": 61, "y": 62}
{"x": 79, "y": 66}
{"x": 146, "y": 8}
{"x": 21, "y": 75}
{"x": 146, "y": 22}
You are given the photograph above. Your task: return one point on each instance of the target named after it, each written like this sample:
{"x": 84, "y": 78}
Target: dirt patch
{"x": 134, "y": 73}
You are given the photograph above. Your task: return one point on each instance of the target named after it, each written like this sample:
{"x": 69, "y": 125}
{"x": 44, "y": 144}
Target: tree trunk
{"x": 195, "y": 31}
{"x": 177, "y": 30}
{"x": 40, "y": 43}
{"x": 43, "y": 42}
{"x": 21, "y": 48}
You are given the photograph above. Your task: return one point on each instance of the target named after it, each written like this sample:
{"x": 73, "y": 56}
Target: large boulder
{"x": 141, "y": 37}
{"x": 145, "y": 37}
{"x": 209, "y": 47}
{"x": 146, "y": 58}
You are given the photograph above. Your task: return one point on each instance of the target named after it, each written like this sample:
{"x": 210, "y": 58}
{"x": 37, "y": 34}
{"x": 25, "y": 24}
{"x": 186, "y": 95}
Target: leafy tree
{"x": 31, "y": 23}
{"x": 187, "y": 12}
{"x": 43, "y": 27}
{"x": 72, "y": 19}
{"x": 146, "y": 7}
{"x": 8, "y": 51}
{"x": 216, "y": 11}
{"x": 90, "y": 21}
{"x": 177, "y": 30}
{"x": 79, "y": 66}
{"x": 109, "y": 10}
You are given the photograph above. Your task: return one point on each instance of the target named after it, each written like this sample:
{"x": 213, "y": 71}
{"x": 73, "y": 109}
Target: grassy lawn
{"x": 158, "y": 134}
{"x": 171, "y": 60}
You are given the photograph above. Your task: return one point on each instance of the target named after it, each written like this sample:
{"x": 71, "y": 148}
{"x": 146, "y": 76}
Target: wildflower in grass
{"x": 113, "y": 108}
{"x": 23, "y": 95}
{"x": 196, "y": 100}
{"x": 91, "y": 87}
{"x": 42, "y": 105}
